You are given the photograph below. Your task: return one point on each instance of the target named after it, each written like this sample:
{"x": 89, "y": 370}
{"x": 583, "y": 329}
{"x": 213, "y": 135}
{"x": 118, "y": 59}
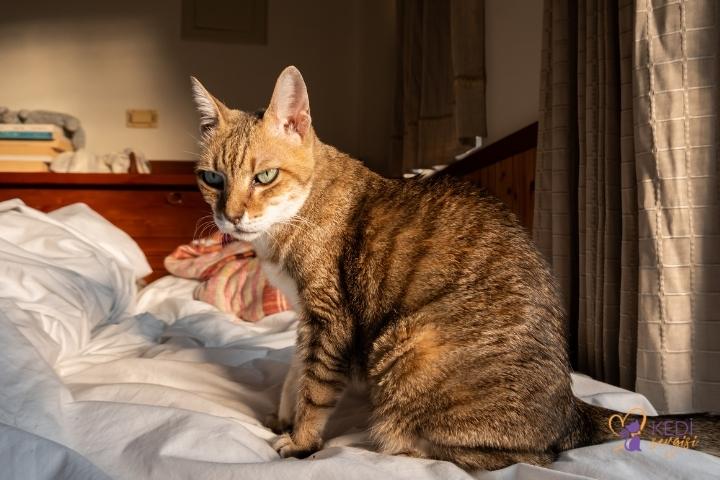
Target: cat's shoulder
{"x": 451, "y": 190}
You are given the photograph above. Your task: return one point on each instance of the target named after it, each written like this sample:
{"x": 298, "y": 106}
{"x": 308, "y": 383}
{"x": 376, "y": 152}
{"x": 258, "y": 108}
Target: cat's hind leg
{"x": 392, "y": 438}
{"x": 403, "y": 364}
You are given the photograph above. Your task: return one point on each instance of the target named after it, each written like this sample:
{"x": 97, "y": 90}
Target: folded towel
{"x": 83, "y": 161}
{"x": 231, "y": 277}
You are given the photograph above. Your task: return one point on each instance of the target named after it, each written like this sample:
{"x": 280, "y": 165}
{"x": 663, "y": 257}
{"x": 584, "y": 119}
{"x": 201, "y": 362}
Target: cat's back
{"x": 446, "y": 221}
{"x": 410, "y": 241}
{"x": 443, "y": 205}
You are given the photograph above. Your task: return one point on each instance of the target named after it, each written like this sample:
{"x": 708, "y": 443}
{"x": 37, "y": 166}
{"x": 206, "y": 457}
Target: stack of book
{"x": 30, "y": 147}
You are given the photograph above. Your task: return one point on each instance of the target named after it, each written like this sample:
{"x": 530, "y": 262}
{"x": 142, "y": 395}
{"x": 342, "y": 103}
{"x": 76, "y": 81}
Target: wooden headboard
{"x": 506, "y": 169}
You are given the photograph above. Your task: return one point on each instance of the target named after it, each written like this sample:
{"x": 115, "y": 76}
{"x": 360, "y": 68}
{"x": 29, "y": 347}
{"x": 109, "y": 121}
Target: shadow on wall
{"x": 97, "y": 59}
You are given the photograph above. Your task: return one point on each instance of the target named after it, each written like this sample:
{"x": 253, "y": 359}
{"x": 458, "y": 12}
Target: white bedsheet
{"x": 97, "y": 382}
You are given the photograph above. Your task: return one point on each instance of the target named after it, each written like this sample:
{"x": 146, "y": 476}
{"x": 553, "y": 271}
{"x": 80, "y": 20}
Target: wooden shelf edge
{"x": 513, "y": 144}
{"x": 74, "y": 180}
{"x": 164, "y": 172}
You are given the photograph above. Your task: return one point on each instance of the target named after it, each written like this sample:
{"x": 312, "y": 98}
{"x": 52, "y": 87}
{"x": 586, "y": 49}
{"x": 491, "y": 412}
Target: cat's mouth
{"x": 235, "y": 230}
{"x": 245, "y": 230}
{"x": 246, "y": 235}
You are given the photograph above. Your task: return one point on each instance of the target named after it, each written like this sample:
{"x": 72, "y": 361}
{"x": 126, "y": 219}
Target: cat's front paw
{"x": 278, "y": 425}
{"x": 286, "y": 447}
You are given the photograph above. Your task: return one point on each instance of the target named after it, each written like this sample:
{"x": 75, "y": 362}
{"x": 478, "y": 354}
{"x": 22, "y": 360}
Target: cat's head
{"x": 256, "y": 169}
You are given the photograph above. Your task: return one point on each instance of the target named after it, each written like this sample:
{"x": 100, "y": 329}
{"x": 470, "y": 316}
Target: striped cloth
{"x": 230, "y": 275}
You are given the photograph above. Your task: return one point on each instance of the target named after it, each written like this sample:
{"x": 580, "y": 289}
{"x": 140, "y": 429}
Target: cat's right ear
{"x": 289, "y": 110}
{"x": 212, "y": 111}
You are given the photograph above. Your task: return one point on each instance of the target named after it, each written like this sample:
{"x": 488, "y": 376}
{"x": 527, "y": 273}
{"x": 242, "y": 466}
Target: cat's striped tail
{"x": 698, "y": 431}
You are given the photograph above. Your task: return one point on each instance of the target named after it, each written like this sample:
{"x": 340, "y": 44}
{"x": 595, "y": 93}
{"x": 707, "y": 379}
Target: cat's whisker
{"x": 271, "y": 236}
{"x": 203, "y": 218}
{"x": 203, "y": 229}
{"x": 303, "y": 221}
{"x": 208, "y": 230}
{"x": 297, "y": 220}
{"x": 194, "y": 154}
{"x": 202, "y": 221}
{"x": 195, "y": 232}
{"x": 192, "y": 135}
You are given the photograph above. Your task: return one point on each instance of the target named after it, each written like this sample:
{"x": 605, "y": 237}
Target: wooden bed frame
{"x": 506, "y": 169}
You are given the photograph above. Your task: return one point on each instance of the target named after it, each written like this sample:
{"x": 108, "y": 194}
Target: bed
{"x": 102, "y": 380}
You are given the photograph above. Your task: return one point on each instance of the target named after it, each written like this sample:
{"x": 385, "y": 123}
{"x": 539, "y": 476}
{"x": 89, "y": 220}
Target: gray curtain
{"x": 627, "y": 206}
{"x": 440, "y": 84}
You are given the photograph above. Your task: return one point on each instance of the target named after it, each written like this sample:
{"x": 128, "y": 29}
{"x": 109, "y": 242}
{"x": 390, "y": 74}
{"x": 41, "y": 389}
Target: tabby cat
{"x": 426, "y": 289}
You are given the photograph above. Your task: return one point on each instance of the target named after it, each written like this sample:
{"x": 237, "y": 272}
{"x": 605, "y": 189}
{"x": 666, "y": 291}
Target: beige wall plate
{"x": 142, "y": 118}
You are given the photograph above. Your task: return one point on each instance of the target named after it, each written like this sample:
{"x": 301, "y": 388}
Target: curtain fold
{"x": 627, "y": 209}
{"x": 676, "y": 143}
{"x": 440, "y": 84}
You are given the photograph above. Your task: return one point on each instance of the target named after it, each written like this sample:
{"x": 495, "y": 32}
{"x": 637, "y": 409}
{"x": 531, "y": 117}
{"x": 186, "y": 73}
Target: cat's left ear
{"x": 212, "y": 111}
{"x": 289, "y": 110}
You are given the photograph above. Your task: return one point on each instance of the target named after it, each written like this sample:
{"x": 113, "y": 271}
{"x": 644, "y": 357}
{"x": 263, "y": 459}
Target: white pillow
{"x": 109, "y": 237}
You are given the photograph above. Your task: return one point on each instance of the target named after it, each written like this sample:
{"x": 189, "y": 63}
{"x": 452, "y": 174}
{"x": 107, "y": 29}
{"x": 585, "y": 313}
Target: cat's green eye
{"x": 266, "y": 176}
{"x": 214, "y": 180}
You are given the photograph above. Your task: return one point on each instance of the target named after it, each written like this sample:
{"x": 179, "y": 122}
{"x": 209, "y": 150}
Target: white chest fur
{"x": 276, "y": 274}
{"x": 281, "y": 280}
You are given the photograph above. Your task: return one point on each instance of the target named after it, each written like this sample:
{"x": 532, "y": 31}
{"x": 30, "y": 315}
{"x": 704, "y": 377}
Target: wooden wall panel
{"x": 525, "y": 186}
{"x": 512, "y": 180}
{"x": 506, "y": 169}
{"x": 504, "y": 187}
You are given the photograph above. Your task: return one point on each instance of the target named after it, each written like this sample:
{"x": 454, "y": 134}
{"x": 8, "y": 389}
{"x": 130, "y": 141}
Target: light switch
{"x": 142, "y": 118}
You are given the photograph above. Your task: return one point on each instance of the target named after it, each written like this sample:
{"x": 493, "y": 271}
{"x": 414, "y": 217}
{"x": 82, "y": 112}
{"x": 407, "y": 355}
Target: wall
{"x": 96, "y": 59}
{"x": 376, "y": 71}
{"x": 513, "y": 44}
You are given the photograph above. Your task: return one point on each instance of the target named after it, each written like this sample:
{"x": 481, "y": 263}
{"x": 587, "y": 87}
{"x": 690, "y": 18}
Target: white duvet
{"x": 97, "y": 381}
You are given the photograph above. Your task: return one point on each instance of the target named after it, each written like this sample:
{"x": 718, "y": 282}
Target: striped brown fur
{"x": 428, "y": 290}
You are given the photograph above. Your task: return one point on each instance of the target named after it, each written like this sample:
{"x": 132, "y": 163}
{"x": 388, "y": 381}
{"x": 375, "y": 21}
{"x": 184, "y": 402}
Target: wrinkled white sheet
{"x": 97, "y": 382}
